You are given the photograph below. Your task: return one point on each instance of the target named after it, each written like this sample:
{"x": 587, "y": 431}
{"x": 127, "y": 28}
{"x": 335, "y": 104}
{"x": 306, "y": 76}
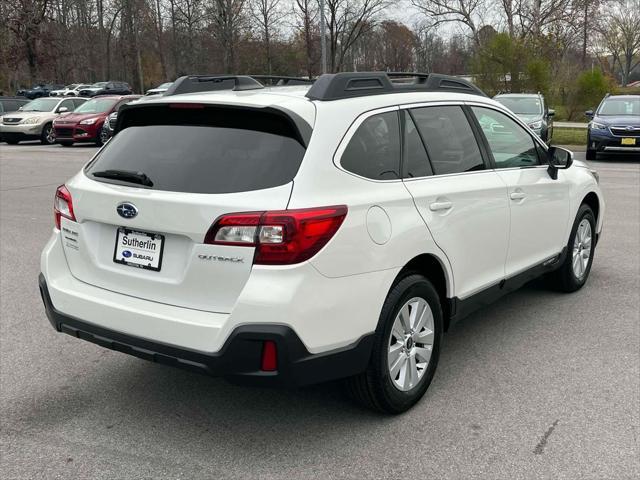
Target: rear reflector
{"x": 269, "y": 356}
{"x": 62, "y": 206}
{"x": 280, "y": 237}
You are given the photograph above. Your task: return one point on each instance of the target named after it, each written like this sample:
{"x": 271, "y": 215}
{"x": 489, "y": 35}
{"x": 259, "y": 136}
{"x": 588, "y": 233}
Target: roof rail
{"x": 208, "y": 83}
{"x": 335, "y": 86}
{"x": 278, "y": 80}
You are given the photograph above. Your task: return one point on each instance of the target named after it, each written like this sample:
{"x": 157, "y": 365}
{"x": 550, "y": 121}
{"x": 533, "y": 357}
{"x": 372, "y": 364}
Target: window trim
{"x": 353, "y": 128}
{"x": 486, "y": 159}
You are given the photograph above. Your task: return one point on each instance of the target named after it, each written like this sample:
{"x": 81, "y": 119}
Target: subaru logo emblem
{"x": 127, "y": 210}
{"x": 630, "y": 129}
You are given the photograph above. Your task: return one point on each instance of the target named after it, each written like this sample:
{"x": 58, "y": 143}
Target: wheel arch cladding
{"x": 432, "y": 269}
{"x": 592, "y": 200}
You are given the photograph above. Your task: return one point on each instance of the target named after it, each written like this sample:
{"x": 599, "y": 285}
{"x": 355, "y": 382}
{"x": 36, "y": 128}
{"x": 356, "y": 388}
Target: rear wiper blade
{"x": 125, "y": 176}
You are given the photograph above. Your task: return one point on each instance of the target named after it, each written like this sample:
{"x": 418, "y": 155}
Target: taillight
{"x": 62, "y": 205}
{"x": 280, "y": 237}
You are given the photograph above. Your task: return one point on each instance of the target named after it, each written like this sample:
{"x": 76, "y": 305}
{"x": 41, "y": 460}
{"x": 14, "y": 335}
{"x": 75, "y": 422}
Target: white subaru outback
{"x": 297, "y": 233}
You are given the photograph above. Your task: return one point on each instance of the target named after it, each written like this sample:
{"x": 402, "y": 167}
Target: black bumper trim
{"x": 239, "y": 358}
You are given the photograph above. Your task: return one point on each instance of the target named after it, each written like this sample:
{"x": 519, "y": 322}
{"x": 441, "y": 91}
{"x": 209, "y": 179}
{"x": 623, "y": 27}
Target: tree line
{"x": 503, "y": 44}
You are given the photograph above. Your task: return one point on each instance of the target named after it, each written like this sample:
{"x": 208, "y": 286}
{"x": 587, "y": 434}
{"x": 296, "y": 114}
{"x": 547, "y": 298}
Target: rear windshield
{"x": 215, "y": 152}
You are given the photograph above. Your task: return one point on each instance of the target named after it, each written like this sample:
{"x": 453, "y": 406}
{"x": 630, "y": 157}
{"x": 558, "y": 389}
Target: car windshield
{"x": 99, "y": 84}
{"x": 97, "y": 105}
{"x": 41, "y": 105}
{"x": 72, "y": 86}
{"x": 620, "y": 106}
{"x": 522, "y": 105}
{"x": 165, "y": 85}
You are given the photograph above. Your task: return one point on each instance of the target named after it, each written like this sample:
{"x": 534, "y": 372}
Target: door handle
{"x": 517, "y": 195}
{"x": 434, "y": 207}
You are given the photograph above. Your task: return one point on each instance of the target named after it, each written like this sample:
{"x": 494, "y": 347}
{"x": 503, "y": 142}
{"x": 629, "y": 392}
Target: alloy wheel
{"x": 410, "y": 344}
{"x": 582, "y": 249}
{"x": 50, "y": 135}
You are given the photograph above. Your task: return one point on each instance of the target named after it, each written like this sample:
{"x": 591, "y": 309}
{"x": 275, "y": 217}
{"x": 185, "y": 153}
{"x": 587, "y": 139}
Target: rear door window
{"x": 374, "y": 150}
{"x": 208, "y": 150}
{"x": 449, "y": 139}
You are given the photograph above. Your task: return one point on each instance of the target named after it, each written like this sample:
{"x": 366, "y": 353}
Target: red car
{"x": 84, "y": 124}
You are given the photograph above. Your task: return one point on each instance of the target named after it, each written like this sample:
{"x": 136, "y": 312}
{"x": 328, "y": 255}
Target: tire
{"x": 66, "y": 144}
{"x": 13, "y": 142}
{"x": 567, "y": 278}
{"x": 48, "y": 135}
{"x": 103, "y": 136}
{"x": 591, "y": 154}
{"x": 98, "y": 141}
{"x": 375, "y": 387}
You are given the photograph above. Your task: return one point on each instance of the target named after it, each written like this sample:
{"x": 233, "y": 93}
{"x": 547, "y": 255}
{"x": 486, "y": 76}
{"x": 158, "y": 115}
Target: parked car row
{"x": 76, "y": 90}
{"x": 85, "y": 90}
{"x": 63, "y": 120}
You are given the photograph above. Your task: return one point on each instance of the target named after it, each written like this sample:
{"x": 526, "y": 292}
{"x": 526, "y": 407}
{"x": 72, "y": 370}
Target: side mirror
{"x": 551, "y": 112}
{"x": 559, "y": 159}
{"x": 63, "y": 109}
{"x": 589, "y": 113}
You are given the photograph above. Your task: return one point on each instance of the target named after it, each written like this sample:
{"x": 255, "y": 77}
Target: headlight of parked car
{"x": 31, "y": 121}
{"x": 88, "y": 121}
{"x": 536, "y": 125}
{"x": 597, "y": 126}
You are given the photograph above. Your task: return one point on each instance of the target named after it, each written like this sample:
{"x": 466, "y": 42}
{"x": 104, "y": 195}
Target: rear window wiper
{"x": 125, "y": 176}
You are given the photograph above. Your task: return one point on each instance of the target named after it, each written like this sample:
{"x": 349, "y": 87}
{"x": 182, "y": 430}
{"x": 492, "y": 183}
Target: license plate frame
{"x": 120, "y": 257}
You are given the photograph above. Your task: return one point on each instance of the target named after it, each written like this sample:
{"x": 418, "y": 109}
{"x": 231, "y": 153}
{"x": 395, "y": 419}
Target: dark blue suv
{"x": 615, "y": 126}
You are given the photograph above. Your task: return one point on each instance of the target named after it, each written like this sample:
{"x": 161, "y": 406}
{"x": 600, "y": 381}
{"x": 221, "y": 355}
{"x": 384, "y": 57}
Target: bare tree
{"x": 227, "y": 18}
{"x": 463, "y": 12}
{"x": 347, "y": 21}
{"x": 620, "y": 32}
{"x": 268, "y": 14}
{"x": 305, "y": 13}
{"x": 24, "y": 19}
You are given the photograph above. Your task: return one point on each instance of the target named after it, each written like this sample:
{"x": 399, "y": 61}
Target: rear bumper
{"x": 238, "y": 360}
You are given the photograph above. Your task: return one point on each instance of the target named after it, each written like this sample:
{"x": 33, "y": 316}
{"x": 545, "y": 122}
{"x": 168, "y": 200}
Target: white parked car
{"x": 160, "y": 89}
{"x": 34, "y": 121}
{"x": 71, "y": 90}
{"x": 296, "y": 234}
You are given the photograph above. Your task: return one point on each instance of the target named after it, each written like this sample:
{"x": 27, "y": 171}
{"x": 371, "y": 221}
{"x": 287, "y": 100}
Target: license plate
{"x": 139, "y": 249}
{"x": 628, "y": 141}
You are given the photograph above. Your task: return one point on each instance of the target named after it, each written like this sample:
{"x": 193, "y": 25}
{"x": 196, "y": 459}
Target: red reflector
{"x": 187, "y": 106}
{"x": 269, "y": 356}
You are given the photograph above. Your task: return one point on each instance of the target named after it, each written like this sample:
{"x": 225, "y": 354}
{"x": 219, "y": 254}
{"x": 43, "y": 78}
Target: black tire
{"x": 13, "y": 142}
{"x": 374, "y": 387}
{"x": 103, "y": 135}
{"x": 591, "y": 154}
{"x": 48, "y": 136}
{"x": 65, "y": 144}
{"x": 98, "y": 140}
{"x": 564, "y": 278}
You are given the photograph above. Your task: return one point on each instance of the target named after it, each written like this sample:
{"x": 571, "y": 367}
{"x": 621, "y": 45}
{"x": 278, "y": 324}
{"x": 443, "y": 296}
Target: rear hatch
{"x": 141, "y": 233}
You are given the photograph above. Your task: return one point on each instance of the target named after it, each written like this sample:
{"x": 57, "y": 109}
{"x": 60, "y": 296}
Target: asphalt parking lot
{"x": 539, "y": 385}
